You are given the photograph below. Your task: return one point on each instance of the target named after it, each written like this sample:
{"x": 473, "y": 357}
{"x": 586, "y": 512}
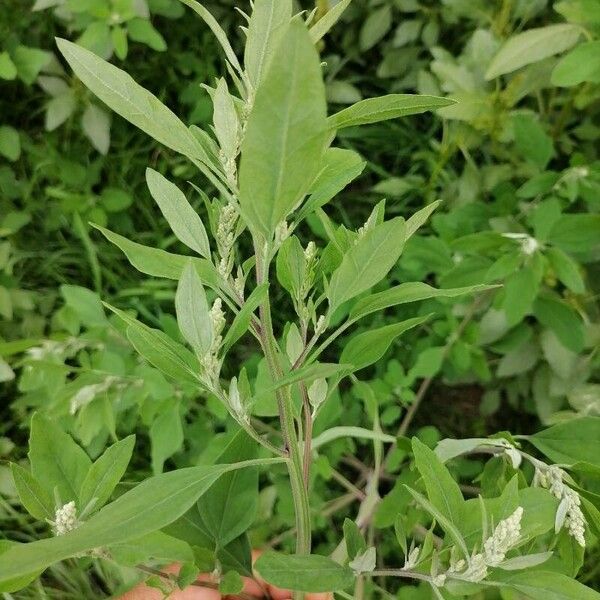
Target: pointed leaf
{"x": 532, "y": 46}
{"x": 383, "y": 108}
{"x": 442, "y": 489}
{"x": 148, "y": 507}
{"x": 367, "y": 262}
{"x": 267, "y": 26}
{"x": 193, "y": 313}
{"x": 106, "y": 472}
{"x": 182, "y": 218}
{"x": 328, "y": 20}
{"x": 36, "y": 500}
{"x": 311, "y": 573}
{"x": 369, "y": 346}
{"x": 57, "y": 462}
{"x": 128, "y": 99}
{"x": 158, "y": 263}
{"x": 285, "y": 135}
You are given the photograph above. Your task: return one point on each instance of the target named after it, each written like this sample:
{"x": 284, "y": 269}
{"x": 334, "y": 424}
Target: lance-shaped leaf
{"x": 225, "y": 119}
{"x": 544, "y": 585}
{"x": 339, "y": 167}
{"x": 532, "y": 46}
{"x": 106, "y": 472}
{"x": 368, "y": 347}
{"x": 148, "y": 507}
{"x": 123, "y": 95}
{"x": 409, "y": 292}
{"x": 367, "y": 262}
{"x": 285, "y": 135}
{"x": 442, "y": 490}
{"x": 37, "y": 501}
{"x": 387, "y": 107}
{"x": 182, "y": 218}
{"x": 159, "y": 263}
{"x": 57, "y": 462}
{"x": 193, "y": 313}
{"x": 328, "y": 20}
{"x": 311, "y": 573}
{"x": 217, "y": 30}
{"x": 267, "y": 26}
{"x": 244, "y": 317}
{"x": 173, "y": 359}
{"x": 229, "y": 507}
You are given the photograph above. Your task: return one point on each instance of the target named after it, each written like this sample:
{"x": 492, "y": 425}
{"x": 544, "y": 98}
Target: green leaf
{"x": 566, "y": 269}
{"x": 340, "y": 167}
{"x": 182, "y": 218}
{"x": 244, "y": 317}
{"x": 10, "y": 143}
{"x": 375, "y": 27}
{"x": 579, "y": 65}
{"x": 226, "y": 121}
{"x": 369, "y": 346}
{"x": 524, "y": 562}
{"x": 8, "y": 70}
{"x": 106, "y": 472}
{"x": 328, "y": 20}
{"x": 564, "y": 321}
{"x": 158, "y": 263}
{"x": 420, "y": 218}
{"x": 382, "y": 108}
{"x": 57, "y": 462}
{"x": 128, "y": 99}
{"x": 141, "y": 30}
{"x": 267, "y": 26}
{"x": 312, "y": 573}
{"x": 447, "y": 525}
{"x": 355, "y": 541}
{"x": 29, "y": 62}
{"x": 408, "y": 292}
{"x": 285, "y": 134}
{"x": 532, "y": 141}
{"x": 442, "y": 490}
{"x": 229, "y": 508}
{"x": 520, "y": 291}
{"x": 545, "y": 585}
{"x": 160, "y": 350}
{"x": 95, "y": 123}
{"x": 367, "y": 262}
{"x": 576, "y": 232}
{"x": 193, "y": 313}
{"x": 532, "y": 46}
{"x": 148, "y": 507}
{"x": 17, "y": 583}
{"x": 231, "y": 583}
{"x": 36, "y": 500}
{"x": 59, "y": 109}
{"x": 156, "y": 546}
{"x": 85, "y": 303}
{"x": 166, "y": 435}
{"x": 336, "y": 433}
{"x": 308, "y": 374}
{"x": 576, "y": 440}
{"x": 217, "y": 30}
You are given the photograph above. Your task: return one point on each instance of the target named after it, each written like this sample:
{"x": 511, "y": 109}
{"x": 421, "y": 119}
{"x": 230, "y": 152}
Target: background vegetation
{"x": 516, "y": 163}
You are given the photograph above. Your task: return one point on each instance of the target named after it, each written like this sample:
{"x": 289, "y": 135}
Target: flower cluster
{"x": 225, "y": 237}
{"x": 65, "y": 519}
{"x": 505, "y": 537}
{"x": 569, "y": 513}
{"x": 210, "y": 361}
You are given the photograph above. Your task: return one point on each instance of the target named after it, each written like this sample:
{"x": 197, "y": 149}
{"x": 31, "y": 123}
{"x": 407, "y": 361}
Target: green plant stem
{"x": 286, "y": 416}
